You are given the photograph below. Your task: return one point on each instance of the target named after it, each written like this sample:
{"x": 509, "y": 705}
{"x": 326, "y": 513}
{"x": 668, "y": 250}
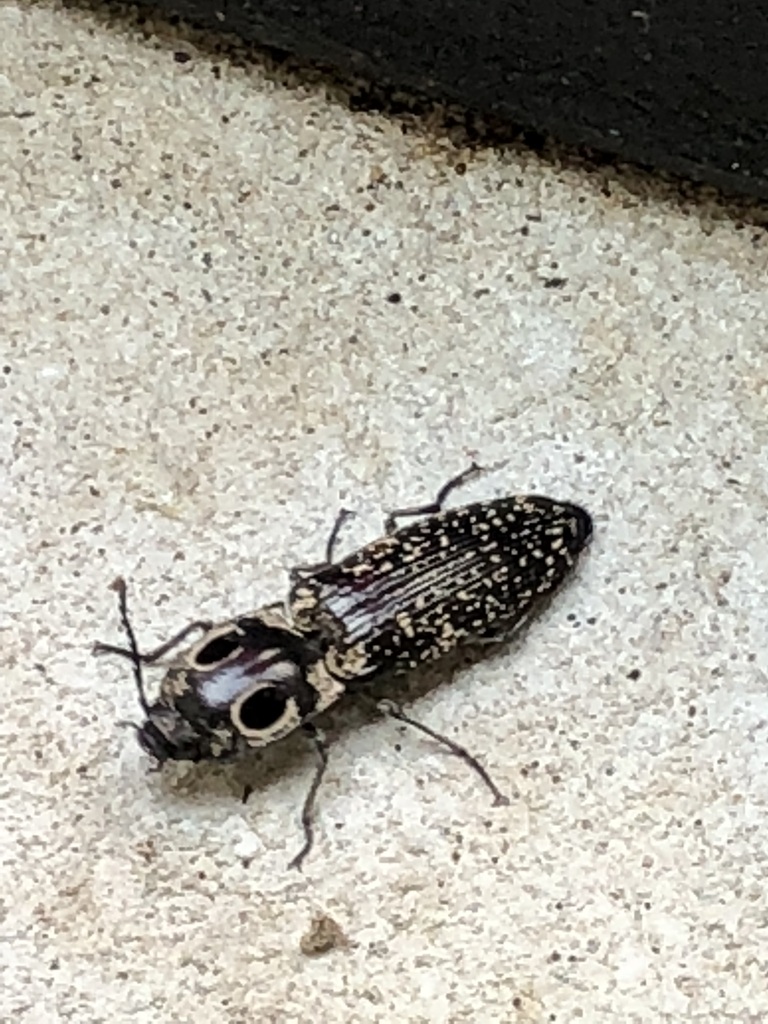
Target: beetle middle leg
{"x": 390, "y": 523}
{"x": 299, "y": 571}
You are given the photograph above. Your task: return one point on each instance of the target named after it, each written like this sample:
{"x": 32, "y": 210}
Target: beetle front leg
{"x": 308, "y": 810}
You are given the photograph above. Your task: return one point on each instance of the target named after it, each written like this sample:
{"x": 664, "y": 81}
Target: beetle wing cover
{"x": 459, "y": 575}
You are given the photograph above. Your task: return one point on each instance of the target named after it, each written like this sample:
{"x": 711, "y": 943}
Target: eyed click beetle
{"x": 451, "y": 577}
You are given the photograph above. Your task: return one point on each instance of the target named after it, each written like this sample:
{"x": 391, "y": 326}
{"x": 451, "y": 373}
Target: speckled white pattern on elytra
{"x": 202, "y": 360}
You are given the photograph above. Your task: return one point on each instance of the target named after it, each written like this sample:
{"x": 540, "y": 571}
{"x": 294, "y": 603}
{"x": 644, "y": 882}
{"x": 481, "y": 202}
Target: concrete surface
{"x": 202, "y": 359}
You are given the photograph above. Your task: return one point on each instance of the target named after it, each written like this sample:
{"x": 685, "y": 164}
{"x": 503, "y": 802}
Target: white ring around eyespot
{"x": 226, "y": 629}
{"x": 287, "y": 722}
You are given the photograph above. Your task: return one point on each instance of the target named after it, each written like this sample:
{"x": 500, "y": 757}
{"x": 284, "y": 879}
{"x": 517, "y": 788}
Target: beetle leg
{"x": 344, "y": 516}
{"x": 389, "y": 707}
{"x": 307, "y": 811}
{"x": 299, "y": 572}
{"x": 390, "y": 523}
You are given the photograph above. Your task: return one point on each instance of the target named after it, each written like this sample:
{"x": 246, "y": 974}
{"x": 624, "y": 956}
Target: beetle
{"x": 451, "y": 577}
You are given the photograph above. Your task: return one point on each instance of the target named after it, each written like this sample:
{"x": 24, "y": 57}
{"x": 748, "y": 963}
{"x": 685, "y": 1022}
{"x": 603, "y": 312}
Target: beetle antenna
{"x": 121, "y": 590}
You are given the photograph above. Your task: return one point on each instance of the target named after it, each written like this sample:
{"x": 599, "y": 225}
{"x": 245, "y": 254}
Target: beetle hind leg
{"x": 390, "y": 523}
{"x": 393, "y": 710}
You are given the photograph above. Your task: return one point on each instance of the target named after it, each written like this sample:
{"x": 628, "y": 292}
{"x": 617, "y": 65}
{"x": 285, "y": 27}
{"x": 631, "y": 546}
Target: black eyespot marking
{"x": 220, "y": 648}
{"x": 262, "y": 709}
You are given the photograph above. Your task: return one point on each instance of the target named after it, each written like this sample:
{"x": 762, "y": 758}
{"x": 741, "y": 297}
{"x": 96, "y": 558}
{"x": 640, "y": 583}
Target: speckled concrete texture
{"x": 231, "y": 306}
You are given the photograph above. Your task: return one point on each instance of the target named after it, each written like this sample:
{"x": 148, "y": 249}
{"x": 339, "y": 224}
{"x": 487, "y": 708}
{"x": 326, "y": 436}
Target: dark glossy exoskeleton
{"x": 451, "y": 577}
{"x": 461, "y": 575}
